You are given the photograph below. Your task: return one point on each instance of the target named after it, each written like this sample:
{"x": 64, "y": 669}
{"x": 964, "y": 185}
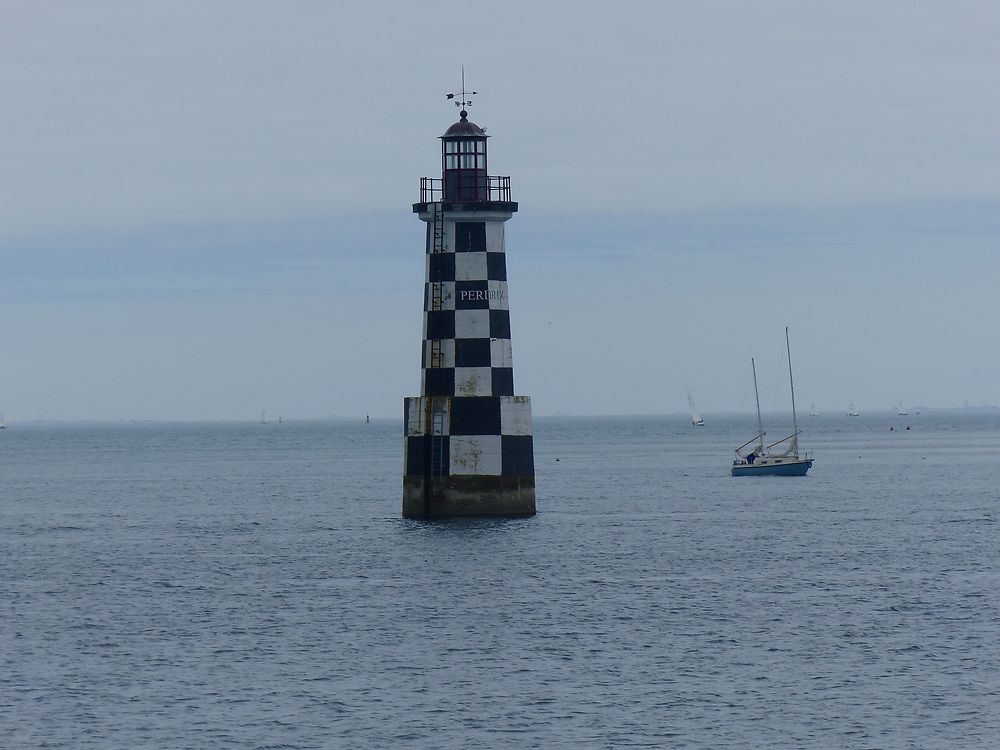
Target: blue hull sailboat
{"x": 760, "y": 460}
{"x": 769, "y": 466}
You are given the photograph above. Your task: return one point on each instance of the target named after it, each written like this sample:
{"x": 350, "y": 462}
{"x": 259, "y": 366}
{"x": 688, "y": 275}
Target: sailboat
{"x": 901, "y": 411}
{"x": 3, "y": 425}
{"x": 759, "y": 461}
{"x": 812, "y": 410}
{"x": 696, "y": 419}
{"x": 851, "y": 411}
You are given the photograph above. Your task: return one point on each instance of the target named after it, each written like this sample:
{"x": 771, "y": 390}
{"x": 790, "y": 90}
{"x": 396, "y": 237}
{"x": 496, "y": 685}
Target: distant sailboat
{"x": 812, "y": 410}
{"x": 851, "y": 411}
{"x": 3, "y": 425}
{"x": 901, "y": 410}
{"x": 263, "y": 417}
{"x": 696, "y": 419}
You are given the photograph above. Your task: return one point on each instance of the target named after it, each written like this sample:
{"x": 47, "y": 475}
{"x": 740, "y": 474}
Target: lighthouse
{"x": 468, "y": 437}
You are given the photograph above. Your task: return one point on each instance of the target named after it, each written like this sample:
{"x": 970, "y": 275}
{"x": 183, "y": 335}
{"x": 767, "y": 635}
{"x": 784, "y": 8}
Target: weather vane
{"x": 466, "y": 100}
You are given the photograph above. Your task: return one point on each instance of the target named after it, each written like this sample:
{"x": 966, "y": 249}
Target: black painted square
{"x": 440, "y": 452}
{"x": 503, "y": 381}
{"x": 472, "y": 295}
{"x": 414, "y": 455}
{"x": 440, "y": 324}
{"x": 472, "y": 352}
{"x": 475, "y": 416}
{"x": 439, "y": 381}
{"x": 496, "y": 266}
{"x": 441, "y": 267}
{"x": 499, "y": 324}
{"x": 427, "y": 455}
{"x": 470, "y": 236}
{"x": 518, "y": 456}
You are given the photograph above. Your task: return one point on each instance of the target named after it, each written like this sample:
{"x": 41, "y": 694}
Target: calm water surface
{"x": 253, "y": 586}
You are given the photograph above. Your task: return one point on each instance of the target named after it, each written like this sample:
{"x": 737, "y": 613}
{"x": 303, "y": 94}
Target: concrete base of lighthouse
{"x": 456, "y": 497}
{"x": 468, "y": 456}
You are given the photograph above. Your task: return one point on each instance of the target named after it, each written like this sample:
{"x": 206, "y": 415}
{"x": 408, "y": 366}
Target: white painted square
{"x": 449, "y": 236}
{"x": 447, "y": 295}
{"x": 473, "y": 381}
{"x": 494, "y": 236}
{"x": 470, "y": 266}
{"x": 415, "y": 412}
{"x": 500, "y": 355}
{"x": 472, "y": 324}
{"x": 447, "y": 353}
{"x": 428, "y": 415}
{"x": 515, "y": 415}
{"x": 498, "y": 295}
{"x": 475, "y": 454}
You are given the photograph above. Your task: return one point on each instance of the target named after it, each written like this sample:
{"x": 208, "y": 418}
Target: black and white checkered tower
{"x": 468, "y": 437}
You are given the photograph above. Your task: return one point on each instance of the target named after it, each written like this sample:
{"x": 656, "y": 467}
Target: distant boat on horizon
{"x": 696, "y": 419}
{"x": 812, "y": 410}
{"x": 852, "y": 412}
{"x": 901, "y": 411}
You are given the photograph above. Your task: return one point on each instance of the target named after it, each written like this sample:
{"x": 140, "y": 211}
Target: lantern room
{"x": 463, "y": 162}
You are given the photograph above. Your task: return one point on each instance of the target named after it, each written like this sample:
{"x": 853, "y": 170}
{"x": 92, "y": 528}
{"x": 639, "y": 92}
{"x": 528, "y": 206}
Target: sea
{"x": 254, "y": 586}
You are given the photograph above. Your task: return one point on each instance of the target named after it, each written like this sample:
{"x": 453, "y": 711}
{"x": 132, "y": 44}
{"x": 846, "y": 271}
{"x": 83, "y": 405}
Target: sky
{"x": 206, "y": 205}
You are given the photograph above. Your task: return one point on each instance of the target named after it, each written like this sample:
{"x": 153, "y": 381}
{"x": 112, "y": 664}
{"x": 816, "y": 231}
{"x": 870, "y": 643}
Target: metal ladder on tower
{"x": 437, "y": 442}
{"x": 434, "y": 479}
{"x": 437, "y": 287}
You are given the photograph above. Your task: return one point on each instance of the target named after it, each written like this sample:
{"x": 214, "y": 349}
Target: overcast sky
{"x": 206, "y": 205}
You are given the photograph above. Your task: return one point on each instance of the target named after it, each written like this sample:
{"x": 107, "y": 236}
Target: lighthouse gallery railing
{"x": 497, "y": 190}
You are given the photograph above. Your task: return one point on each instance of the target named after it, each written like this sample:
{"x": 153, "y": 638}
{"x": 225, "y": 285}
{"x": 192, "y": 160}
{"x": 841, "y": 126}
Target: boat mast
{"x": 760, "y": 425}
{"x": 788, "y": 350}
